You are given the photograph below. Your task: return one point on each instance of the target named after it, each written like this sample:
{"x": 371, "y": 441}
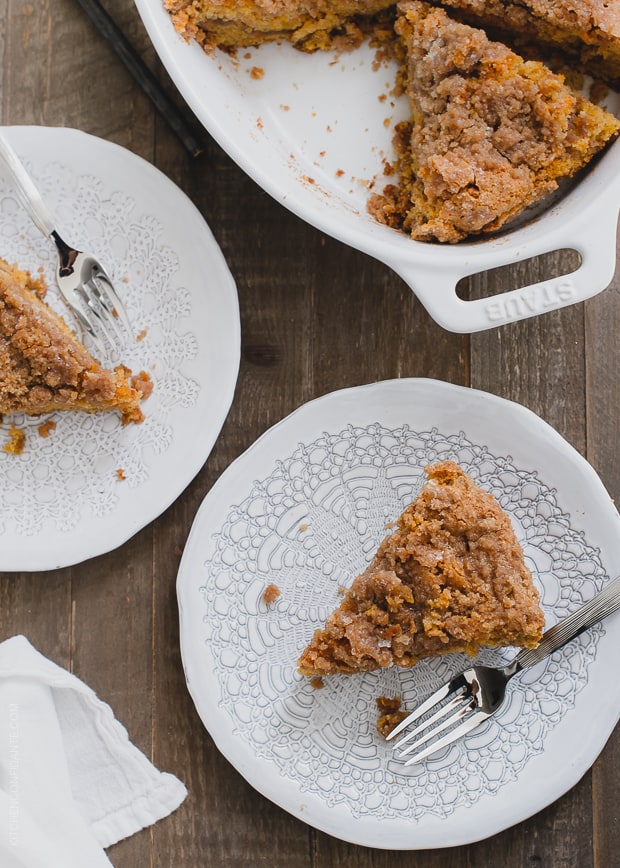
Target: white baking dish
{"x": 314, "y": 132}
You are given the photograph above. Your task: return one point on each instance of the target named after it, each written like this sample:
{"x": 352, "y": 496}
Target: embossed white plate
{"x": 304, "y": 508}
{"x": 62, "y": 499}
{"x": 315, "y": 130}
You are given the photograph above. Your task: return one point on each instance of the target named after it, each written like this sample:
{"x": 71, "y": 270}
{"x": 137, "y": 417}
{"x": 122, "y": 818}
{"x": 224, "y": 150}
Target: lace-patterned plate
{"x": 64, "y": 499}
{"x": 304, "y": 508}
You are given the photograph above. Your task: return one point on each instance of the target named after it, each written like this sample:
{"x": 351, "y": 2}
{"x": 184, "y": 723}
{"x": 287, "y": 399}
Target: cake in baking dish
{"x": 451, "y": 577}
{"x": 43, "y": 365}
{"x": 490, "y": 134}
{"x": 586, "y": 31}
{"x": 308, "y": 24}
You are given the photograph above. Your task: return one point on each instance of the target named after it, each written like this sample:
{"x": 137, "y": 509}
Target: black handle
{"x": 193, "y": 140}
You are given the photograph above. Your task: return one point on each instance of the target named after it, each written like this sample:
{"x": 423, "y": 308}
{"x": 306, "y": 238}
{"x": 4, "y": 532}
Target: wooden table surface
{"x": 315, "y": 316}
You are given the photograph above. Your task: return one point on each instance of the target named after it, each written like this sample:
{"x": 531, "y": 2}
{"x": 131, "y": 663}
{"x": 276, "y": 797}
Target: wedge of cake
{"x": 308, "y": 24}
{"x": 490, "y": 135}
{"x": 450, "y": 578}
{"x": 43, "y": 365}
{"x": 585, "y": 31}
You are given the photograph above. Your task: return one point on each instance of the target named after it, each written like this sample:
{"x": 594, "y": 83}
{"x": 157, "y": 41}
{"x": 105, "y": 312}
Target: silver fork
{"x": 83, "y": 282}
{"x": 475, "y": 694}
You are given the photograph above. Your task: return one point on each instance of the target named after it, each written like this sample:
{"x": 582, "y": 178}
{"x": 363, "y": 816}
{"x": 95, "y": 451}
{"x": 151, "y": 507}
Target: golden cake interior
{"x": 310, "y": 25}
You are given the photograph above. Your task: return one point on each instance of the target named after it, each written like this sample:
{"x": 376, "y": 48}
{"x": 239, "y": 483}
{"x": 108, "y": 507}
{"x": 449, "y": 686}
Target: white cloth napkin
{"x": 71, "y": 782}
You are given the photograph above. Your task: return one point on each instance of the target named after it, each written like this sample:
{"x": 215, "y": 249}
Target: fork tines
{"x": 454, "y": 715}
{"x": 102, "y": 297}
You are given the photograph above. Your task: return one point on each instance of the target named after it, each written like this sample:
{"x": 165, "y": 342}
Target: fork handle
{"x": 25, "y": 188}
{"x": 564, "y": 631}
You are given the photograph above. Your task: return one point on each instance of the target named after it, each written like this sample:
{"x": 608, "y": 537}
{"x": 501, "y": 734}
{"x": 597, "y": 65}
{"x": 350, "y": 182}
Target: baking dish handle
{"x": 435, "y": 286}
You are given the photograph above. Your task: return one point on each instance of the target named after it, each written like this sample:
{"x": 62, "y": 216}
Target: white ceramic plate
{"x": 304, "y": 508}
{"x": 62, "y": 500}
{"x": 314, "y": 132}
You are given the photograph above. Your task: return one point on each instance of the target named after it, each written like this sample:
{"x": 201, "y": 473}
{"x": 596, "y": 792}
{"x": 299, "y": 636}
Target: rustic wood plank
{"x": 368, "y": 326}
{"x": 603, "y": 445}
{"x": 38, "y": 606}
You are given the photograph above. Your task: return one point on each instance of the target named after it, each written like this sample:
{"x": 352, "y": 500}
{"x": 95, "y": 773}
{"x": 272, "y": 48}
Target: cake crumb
{"x": 271, "y": 593}
{"x": 317, "y": 682}
{"x": 120, "y": 474}
{"x": 257, "y": 72}
{"x": 390, "y": 714}
{"x": 303, "y": 527}
{"x": 45, "y": 429}
{"x": 16, "y": 442}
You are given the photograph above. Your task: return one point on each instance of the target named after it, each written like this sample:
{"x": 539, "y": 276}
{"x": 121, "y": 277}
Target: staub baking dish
{"x": 315, "y": 131}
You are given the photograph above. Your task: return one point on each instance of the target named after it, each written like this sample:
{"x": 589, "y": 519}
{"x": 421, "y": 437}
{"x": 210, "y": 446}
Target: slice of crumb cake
{"x": 43, "y": 365}
{"x": 451, "y": 578}
{"x": 490, "y": 135}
